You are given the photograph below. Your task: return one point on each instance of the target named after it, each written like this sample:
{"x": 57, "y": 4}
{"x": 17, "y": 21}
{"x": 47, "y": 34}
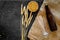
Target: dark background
{"x": 10, "y": 20}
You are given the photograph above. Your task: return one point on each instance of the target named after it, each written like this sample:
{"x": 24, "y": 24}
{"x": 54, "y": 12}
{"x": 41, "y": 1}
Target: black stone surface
{"x": 10, "y": 20}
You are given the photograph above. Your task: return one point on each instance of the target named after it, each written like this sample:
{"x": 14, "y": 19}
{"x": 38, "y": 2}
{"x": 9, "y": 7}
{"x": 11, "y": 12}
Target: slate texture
{"x": 10, "y": 20}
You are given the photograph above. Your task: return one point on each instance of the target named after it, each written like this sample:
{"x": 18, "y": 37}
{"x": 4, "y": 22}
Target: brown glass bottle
{"x": 50, "y": 19}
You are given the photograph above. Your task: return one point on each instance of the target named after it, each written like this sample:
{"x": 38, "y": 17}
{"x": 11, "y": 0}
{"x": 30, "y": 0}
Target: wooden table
{"x": 36, "y": 31}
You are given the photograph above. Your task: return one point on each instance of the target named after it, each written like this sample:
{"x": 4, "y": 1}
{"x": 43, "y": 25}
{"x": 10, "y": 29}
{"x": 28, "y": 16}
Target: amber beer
{"x": 50, "y": 18}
